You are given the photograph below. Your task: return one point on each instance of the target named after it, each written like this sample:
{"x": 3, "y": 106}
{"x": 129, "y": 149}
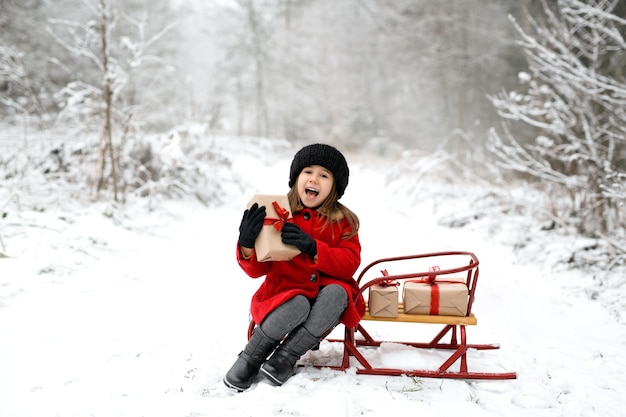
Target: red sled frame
{"x": 453, "y": 326}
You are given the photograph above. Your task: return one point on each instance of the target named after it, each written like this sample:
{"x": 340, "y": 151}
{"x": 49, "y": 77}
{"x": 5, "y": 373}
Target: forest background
{"x": 101, "y": 97}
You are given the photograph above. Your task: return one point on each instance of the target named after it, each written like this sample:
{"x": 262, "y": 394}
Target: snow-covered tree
{"x": 107, "y": 91}
{"x": 21, "y": 95}
{"x": 567, "y": 125}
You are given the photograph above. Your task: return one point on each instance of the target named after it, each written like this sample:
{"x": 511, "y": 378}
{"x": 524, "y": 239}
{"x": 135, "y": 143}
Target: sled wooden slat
{"x": 422, "y": 318}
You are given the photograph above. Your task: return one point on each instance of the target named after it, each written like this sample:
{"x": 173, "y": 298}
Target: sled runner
{"x": 451, "y": 339}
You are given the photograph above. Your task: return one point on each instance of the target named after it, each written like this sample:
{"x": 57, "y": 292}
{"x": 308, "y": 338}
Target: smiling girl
{"x": 301, "y": 300}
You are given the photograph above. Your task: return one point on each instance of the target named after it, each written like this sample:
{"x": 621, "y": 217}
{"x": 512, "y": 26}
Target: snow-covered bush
{"x": 185, "y": 163}
{"x": 573, "y": 102}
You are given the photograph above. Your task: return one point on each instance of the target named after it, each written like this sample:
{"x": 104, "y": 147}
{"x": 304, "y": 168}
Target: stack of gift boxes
{"x": 430, "y": 295}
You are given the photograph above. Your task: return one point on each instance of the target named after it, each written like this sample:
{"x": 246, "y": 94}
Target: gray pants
{"x": 315, "y": 316}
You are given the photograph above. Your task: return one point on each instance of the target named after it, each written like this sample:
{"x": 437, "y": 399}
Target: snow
{"x": 110, "y": 310}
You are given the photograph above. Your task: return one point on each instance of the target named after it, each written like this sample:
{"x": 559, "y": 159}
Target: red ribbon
{"x": 283, "y": 216}
{"x": 390, "y": 282}
{"x": 434, "y": 292}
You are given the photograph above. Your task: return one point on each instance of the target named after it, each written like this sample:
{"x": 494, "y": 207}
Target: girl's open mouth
{"x": 311, "y": 192}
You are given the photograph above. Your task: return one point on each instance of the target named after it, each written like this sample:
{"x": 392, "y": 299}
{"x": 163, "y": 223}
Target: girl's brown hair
{"x": 331, "y": 210}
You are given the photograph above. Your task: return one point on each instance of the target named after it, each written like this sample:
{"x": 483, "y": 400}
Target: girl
{"x": 302, "y": 299}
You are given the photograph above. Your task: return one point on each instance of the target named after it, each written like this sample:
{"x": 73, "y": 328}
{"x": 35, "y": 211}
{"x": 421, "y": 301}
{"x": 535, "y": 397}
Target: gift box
{"x": 435, "y": 297}
{"x": 269, "y": 245}
{"x": 383, "y": 300}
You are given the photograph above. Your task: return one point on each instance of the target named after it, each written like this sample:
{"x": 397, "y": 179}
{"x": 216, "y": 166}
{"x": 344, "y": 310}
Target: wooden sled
{"x": 453, "y": 335}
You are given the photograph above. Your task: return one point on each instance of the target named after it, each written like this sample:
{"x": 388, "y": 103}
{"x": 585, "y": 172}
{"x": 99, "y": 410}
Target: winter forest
{"x": 498, "y": 118}
{"x": 518, "y": 91}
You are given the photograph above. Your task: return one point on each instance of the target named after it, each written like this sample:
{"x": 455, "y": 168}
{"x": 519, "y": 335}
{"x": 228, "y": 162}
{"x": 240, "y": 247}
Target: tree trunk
{"x": 106, "y": 139}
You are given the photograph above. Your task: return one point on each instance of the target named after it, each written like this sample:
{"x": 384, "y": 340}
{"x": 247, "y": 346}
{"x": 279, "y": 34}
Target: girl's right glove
{"x": 251, "y": 225}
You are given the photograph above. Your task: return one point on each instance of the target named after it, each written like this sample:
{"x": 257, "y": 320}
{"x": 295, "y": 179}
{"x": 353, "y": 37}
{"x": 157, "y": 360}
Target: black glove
{"x": 293, "y": 235}
{"x": 251, "y": 225}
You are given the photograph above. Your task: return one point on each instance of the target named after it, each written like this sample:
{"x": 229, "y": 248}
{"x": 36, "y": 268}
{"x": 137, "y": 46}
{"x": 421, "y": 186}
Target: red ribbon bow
{"x": 431, "y": 278}
{"x": 283, "y": 216}
{"x": 434, "y": 291}
{"x": 390, "y": 282}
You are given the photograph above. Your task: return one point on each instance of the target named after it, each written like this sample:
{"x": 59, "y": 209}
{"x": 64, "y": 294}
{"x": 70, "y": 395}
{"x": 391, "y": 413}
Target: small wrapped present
{"x": 269, "y": 245}
{"x": 433, "y": 296}
{"x": 383, "y": 299}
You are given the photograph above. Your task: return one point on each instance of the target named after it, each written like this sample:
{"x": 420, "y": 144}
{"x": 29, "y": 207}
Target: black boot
{"x": 279, "y": 367}
{"x": 246, "y": 367}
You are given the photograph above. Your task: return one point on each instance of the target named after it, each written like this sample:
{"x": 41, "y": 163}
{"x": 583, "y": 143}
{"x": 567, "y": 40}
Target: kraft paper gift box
{"x": 443, "y": 297}
{"x": 269, "y": 245}
{"x": 383, "y": 301}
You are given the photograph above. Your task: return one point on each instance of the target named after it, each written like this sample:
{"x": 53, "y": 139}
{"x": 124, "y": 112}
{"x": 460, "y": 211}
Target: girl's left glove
{"x": 293, "y": 235}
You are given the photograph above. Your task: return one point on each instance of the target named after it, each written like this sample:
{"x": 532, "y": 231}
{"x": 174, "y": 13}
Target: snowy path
{"x": 143, "y": 319}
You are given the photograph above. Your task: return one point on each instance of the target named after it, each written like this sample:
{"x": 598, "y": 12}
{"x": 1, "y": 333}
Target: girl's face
{"x": 314, "y": 185}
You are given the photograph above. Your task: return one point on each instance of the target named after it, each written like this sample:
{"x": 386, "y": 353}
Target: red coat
{"x": 337, "y": 261}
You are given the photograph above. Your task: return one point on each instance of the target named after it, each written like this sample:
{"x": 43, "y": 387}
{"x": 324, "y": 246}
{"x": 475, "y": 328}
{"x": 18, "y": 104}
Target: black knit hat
{"x": 323, "y": 155}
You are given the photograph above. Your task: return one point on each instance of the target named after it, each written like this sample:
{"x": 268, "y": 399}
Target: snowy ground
{"x": 109, "y": 311}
